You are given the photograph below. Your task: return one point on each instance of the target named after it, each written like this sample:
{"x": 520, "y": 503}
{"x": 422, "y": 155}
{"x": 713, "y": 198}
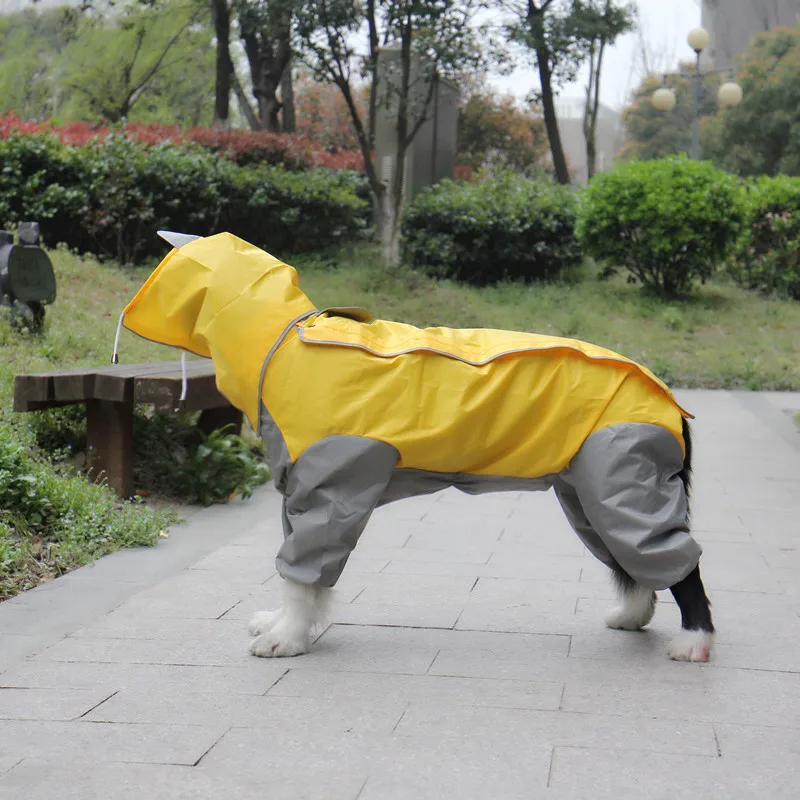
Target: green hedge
{"x": 669, "y": 222}
{"x": 767, "y": 256}
{"x": 110, "y": 196}
{"x": 499, "y": 227}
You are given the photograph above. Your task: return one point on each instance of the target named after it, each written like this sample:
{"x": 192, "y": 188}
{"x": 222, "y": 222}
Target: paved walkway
{"x": 467, "y": 658}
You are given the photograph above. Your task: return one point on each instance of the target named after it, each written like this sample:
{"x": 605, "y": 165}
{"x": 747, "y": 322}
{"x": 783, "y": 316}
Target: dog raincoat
{"x": 357, "y": 412}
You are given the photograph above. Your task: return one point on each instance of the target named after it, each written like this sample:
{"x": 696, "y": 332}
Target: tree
{"x": 650, "y": 133}
{"x": 139, "y": 58}
{"x": 265, "y": 31}
{"x": 560, "y": 37}
{"x": 323, "y": 115}
{"x": 224, "y": 69}
{"x": 495, "y": 131}
{"x": 598, "y": 23}
{"x": 539, "y": 26}
{"x": 761, "y": 136}
{"x": 31, "y": 42}
{"x": 432, "y": 38}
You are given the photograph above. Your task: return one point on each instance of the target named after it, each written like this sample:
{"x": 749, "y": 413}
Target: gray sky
{"x": 664, "y": 25}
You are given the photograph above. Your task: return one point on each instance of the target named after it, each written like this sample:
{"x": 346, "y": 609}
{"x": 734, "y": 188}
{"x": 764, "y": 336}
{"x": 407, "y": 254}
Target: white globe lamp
{"x": 730, "y": 94}
{"x": 664, "y": 99}
{"x": 698, "y": 39}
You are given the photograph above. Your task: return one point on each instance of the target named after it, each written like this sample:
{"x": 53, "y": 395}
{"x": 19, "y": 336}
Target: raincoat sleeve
{"x": 330, "y": 494}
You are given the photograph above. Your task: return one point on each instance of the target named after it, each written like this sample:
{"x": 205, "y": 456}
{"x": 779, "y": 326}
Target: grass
{"x": 722, "y": 338}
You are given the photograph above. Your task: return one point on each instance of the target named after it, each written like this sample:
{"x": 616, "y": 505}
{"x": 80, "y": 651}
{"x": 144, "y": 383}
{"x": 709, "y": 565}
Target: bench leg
{"x": 110, "y": 444}
{"x": 214, "y": 418}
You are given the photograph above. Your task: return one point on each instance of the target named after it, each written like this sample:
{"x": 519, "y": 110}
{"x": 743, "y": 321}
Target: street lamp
{"x": 729, "y": 94}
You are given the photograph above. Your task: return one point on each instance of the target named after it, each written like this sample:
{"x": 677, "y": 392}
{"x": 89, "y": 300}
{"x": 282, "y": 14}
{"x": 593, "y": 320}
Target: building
{"x": 431, "y": 155}
{"x": 733, "y": 23}
{"x": 569, "y": 112}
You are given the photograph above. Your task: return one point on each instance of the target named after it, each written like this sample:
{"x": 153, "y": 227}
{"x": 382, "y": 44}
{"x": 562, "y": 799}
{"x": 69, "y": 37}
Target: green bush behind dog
{"x": 109, "y": 197}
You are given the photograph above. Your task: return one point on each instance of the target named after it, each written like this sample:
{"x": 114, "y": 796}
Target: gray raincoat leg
{"x": 627, "y": 500}
{"x": 330, "y": 494}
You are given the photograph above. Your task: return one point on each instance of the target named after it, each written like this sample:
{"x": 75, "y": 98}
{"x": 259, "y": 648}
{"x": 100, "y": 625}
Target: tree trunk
{"x": 268, "y": 60}
{"x": 221, "y": 15}
{"x": 287, "y": 100}
{"x": 389, "y": 229}
{"x": 244, "y": 103}
{"x": 550, "y": 120}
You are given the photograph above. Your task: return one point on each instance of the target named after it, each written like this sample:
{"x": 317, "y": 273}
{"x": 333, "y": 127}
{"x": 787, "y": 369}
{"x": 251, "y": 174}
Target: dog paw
{"x": 282, "y": 640}
{"x": 262, "y": 621}
{"x": 621, "y": 619}
{"x": 691, "y": 646}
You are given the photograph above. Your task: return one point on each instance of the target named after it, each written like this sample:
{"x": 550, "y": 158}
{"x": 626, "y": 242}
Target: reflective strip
{"x": 271, "y": 352}
{"x": 473, "y": 363}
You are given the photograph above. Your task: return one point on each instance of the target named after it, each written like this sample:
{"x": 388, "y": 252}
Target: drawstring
{"x": 115, "y": 355}
{"x": 184, "y": 378}
{"x": 184, "y": 383}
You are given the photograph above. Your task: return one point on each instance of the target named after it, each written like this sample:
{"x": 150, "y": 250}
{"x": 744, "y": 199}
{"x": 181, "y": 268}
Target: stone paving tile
{"x": 416, "y": 590}
{"x": 251, "y": 678}
{"x": 68, "y": 781}
{"x": 519, "y": 568}
{"x": 428, "y": 768}
{"x": 7, "y": 762}
{"x": 561, "y": 728}
{"x": 428, "y": 690}
{"x": 373, "y": 649}
{"x": 124, "y": 625}
{"x": 15, "y": 647}
{"x": 92, "y": 742}
{"x": 49, "y": 704}
{"x": 750, "y": 741}
{"x": 212, "y": 652}
{"x": 763, "y": 707}
{"x": 780, "y": 655}
{"x": 581, "y": 772}
{"x": 438, "y": 615}
{"x": 314, "y": 716}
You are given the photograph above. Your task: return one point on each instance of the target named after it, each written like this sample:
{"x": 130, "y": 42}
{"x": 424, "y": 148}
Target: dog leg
{"x": 696, "y": 638}
{"x": 637, "y": 603}
{"x": 287, "y": 632}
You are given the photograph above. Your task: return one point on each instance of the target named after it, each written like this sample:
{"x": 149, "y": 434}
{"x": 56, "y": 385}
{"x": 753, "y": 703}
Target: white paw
{"x": 636, "y": 611}
{"x": 262, "y": 621}
{"x": 283, "y": 639}
{"x": 691, "y": 646}
{"x": 621, "y": 619}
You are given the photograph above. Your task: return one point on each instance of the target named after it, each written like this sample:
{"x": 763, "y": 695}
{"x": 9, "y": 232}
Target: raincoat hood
{"x": 212, "y": 294}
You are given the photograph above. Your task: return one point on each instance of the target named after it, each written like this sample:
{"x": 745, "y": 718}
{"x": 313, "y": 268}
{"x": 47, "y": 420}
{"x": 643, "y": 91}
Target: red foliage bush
{"x": 293, "y": 151}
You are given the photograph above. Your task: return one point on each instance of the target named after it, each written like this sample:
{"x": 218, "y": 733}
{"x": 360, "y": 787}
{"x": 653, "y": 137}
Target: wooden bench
{"x": 110, "y": 394}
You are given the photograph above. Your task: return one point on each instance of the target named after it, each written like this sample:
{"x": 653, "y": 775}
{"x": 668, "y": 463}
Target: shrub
{"x": 502, "y": 226}
{"x": 40, "y": 180}
{"x": 668, "y": 222}
{"x": 172, "y": 457}
{"x": 767, "y": 256}
{"x": 291, "y": 151}
{"x": 110, "y": 196}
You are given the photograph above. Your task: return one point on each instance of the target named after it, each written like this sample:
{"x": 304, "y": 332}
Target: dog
{"x": 356, "y": 413}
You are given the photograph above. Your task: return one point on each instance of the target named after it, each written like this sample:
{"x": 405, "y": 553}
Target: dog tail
{"x": 686, "y": 473}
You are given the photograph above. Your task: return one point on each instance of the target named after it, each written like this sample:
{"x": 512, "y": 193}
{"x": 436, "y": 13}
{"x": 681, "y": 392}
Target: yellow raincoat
{"x": 436, "y": 402}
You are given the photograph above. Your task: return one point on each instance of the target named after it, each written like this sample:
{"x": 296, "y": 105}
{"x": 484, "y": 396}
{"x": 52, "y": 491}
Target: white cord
{"x": 115, "y": 356}
{"x": 184, "y": 379}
